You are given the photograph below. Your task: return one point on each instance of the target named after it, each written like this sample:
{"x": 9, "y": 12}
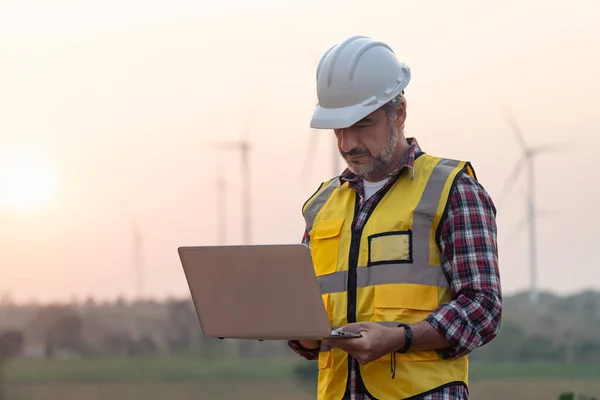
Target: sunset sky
{"x": 110, "y": 112}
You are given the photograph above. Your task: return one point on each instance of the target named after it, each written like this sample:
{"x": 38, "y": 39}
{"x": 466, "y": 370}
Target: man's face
{"x": 369, "y": 145}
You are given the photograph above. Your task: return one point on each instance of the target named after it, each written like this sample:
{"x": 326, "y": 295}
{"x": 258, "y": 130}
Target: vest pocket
{"x": 390, "y": 248}
{"x": 406, "y": 303}
{"x": 325, "y": 241}
{"x": 398, "y": 301}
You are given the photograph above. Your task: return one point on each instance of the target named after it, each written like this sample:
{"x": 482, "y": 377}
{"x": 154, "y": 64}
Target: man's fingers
{"x": 355, "y": 327}
{"x": 360, "y": 356}
{"x": 344, "y": 344}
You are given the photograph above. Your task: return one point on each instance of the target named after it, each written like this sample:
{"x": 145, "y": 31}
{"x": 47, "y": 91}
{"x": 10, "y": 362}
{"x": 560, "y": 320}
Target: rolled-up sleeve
{"x": 309, "y": 354}
{"x": 467, "y": 238}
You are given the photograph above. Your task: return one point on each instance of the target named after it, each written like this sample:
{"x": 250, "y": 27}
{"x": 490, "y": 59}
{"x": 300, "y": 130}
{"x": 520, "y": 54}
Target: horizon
{"x": 81, "y": 301}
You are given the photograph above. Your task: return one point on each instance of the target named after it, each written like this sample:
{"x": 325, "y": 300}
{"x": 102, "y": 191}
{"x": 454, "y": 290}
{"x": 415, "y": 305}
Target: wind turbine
{"x": 314, "y": 133}
{"x": 243, "y": 146}
{"x": 137, "y": 241}
{"x": 526, "y": 162}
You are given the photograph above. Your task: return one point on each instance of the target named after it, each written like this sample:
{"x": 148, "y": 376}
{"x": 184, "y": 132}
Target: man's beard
{"x": 377, "y": 163}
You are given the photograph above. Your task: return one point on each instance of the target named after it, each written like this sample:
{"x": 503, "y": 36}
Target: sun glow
{"x": 27, "y": 181}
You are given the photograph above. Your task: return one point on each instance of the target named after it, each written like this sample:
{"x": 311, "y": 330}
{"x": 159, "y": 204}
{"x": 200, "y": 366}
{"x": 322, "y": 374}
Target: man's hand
{"x": 376, "y": 341}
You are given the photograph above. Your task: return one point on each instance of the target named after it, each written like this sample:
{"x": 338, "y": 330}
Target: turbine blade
{"x": 293, "y": 35}
{"x": 517, "y": 132}
{"x": 227, "y": 145}
{"x": 552, "y": 147}
{"x": 250, "y": 118}
{"x": 514, "y": 232}
{"x": 547, "y": 213}
{"x": 515, "y": 127}
{"x": 511, "y": 180}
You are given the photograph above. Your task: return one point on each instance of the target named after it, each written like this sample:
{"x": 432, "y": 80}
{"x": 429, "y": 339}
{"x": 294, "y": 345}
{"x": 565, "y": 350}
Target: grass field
{"x": 146, "y": 369}
{"x": 183, "y": 379}
{"x": 268, "y": 390}
{"x": 195, "y": 369}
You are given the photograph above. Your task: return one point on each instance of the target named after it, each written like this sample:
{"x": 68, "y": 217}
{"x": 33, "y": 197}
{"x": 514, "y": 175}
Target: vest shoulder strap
{"x": 314, "y": 204}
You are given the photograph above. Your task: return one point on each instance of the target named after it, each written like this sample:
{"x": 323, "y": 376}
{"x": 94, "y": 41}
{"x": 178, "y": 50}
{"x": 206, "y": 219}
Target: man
{"x": 403, "y": 243}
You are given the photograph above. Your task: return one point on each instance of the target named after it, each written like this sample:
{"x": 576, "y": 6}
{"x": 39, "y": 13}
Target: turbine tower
{"x": 244, "y": 146}
{"x": 221, "y": 184}
{"x": 526, "y": 162}
{"x": 137, "y": 239}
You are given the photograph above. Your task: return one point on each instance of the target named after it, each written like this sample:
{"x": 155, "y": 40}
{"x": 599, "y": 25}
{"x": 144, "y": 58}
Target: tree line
{"x": 557, "y": 329}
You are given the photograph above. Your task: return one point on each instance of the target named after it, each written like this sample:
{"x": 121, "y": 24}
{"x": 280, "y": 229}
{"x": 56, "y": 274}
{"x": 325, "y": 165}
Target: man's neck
{"x": 397, "y": 160}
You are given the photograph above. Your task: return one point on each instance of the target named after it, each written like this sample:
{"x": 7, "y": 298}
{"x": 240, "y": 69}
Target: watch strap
{"x": 408, "y": 337}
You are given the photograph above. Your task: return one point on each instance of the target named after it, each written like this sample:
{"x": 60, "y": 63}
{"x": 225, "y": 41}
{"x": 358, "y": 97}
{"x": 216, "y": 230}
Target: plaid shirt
{"x": 467, "y": 242}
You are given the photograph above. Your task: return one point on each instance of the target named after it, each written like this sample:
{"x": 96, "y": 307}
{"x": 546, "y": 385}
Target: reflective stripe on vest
{"x": 315, "y": 206}
{"x": 382, "y": 274}
{"x": 427, "y": 206}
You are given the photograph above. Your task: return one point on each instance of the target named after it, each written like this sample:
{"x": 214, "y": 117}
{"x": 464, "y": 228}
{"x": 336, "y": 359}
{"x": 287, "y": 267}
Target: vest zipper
{"x": 351, "y": 289}
{"x": 351, "y": 284}
{"x": 354, "y": 246}
{"x": 352, "y": 265}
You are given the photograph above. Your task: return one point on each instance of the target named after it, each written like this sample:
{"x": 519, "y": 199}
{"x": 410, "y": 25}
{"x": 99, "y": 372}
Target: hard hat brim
{"x": 339, "y": 118}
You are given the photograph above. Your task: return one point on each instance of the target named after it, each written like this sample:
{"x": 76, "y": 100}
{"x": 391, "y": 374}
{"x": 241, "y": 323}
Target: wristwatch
{"x": 408, "y": 336}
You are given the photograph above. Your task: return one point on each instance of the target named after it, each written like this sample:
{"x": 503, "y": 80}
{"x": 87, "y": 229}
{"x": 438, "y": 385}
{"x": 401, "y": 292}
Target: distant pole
{"x": 244, "y": 147}
{"x": 137, "y": 260}
{"x": 533, "y": 293}
{"x": 246, "y": 196}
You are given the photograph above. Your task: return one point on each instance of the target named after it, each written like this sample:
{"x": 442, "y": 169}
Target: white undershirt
{"x": 372, "y": 187}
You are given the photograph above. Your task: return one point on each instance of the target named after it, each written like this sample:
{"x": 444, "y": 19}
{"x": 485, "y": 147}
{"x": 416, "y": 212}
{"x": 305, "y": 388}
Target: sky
{"x": 113, "y": 112}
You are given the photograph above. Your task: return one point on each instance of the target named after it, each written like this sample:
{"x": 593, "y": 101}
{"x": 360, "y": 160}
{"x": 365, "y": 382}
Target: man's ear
{"x": 400, "y": 115}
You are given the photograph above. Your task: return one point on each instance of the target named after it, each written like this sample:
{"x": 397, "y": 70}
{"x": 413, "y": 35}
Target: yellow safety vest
{"x": 388, "y": 272}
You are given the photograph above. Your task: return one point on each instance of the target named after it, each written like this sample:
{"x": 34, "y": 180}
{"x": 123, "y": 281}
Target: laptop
{"x": 258, "y": 292}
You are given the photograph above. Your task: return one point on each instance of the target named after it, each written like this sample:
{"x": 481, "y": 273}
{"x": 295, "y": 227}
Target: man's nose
{"x": 347, "y": 139}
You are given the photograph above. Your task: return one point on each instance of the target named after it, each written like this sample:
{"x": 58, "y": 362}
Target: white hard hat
{"x": 355, "y": 78}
